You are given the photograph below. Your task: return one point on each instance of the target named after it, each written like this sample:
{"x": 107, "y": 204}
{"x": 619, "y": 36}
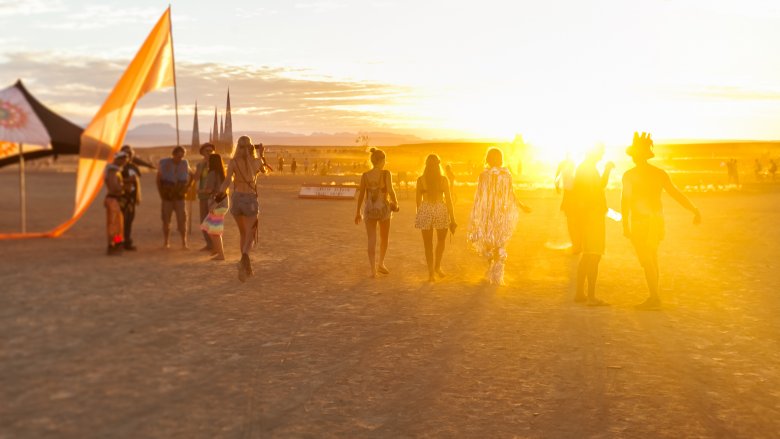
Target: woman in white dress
{"x": 434, "y": 211}
{"x": 494, "y": 215}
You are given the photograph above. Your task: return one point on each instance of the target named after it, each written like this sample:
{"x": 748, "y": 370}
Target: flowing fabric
{"x": 493, "y": 219}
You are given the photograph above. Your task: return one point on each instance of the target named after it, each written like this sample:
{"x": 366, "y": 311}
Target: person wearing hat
{"x": 131, "y": 179}
{"x": 201, "y": 174}
{"x": 173, "y": 181}
{"x": 643, "y": 221}
{"x": 112, "y": 177}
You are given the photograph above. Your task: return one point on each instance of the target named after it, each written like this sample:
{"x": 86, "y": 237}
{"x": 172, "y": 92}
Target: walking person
{"x": 112, "y": 177}
{"x": 293, "y": 166}
{"x": 434, "y": 212}
{"x": 590, "y": 206}
{"x": 494, "y": 215}
{"x": 376, "y": 189}
{"x": 131, "y": 196}
{"x": 173, "y": 181}
{"x": 451, "y": 178}
{"x": 643, "y": 219}
{"x": 564, "y": 182}
{"x": 202, "y": 170}
{"x": 214, "y": 222}
{"x": 243, "y": 170}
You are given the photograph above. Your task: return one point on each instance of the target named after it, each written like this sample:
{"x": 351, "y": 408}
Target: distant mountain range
{"x": 158, "y": 134}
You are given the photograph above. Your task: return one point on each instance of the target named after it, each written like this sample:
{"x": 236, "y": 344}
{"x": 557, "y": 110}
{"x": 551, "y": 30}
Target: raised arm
{"x": 678, "y": 196}
{"x": 605, "y": 176}
{"x": 361, "y": 195}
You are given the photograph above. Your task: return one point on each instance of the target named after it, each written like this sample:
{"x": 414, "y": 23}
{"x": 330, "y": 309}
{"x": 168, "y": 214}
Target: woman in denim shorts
{"x": 242, "y": 171}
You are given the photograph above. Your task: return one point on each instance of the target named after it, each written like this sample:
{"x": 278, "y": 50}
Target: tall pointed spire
{"x": 221, "y": 129}
{"x": 215, "y": 131}
{"x": 195, "y": 130}
{"x": 228, "y": 123}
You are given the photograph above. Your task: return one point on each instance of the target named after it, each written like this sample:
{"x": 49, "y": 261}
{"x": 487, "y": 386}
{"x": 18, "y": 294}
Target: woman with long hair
{"x": 494, "y": 215}
{"x": 434, "y": 211}
{"x": 376, "y": 189}
{"x": 214, "y": 223}
{"x": 242, "y": 171}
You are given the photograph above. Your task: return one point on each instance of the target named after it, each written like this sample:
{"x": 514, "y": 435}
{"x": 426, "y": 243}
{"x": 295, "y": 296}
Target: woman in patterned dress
{"x": 494, "y": 215}
{"x": 214, "y": 222}
{"x": 434, "y": 211}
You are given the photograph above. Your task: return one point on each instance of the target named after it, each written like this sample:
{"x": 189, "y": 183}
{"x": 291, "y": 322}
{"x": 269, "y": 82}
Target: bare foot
{"x": 431, "y": 278}
{"x": 382, "y": 269}
{"x": 217, "y": 257}
{"x": 440, "y": 273}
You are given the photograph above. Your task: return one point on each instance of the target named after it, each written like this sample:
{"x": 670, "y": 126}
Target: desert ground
{"x": 165, "y": 343}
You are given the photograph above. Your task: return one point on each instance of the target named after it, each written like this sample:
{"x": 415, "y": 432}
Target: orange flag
{"x": 151, "y": 69}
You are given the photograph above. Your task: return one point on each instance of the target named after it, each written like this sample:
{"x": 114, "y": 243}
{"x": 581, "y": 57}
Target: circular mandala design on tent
{"x": 11, "y": 116}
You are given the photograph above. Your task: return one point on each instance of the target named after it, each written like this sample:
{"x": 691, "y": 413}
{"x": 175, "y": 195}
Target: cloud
{"x": 101, "y": 17}
{"x": 262, "y": 98}
{"x": 9, "y": 8}
{"x": 731, "y": 93}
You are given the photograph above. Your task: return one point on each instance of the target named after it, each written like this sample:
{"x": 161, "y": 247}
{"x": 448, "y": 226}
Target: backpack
{"x": 377, "y": 207}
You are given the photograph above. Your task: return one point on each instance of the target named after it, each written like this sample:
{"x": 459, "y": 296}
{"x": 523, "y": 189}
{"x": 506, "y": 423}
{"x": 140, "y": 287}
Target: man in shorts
{"x": 173, "y": 181}
{"x": 643, "y": 220}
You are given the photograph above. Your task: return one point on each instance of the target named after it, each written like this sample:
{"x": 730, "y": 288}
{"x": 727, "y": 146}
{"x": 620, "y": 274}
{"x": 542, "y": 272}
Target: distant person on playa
{"x": 294, "y": 166}
{"x": 214, "y": 222}
{"x": 590, "y": 204}
{"x": 201, "y": 174}
{"x": 643, "y": 220}
{"x": 494, "y": 215}
{"x": 758, "y": 170}
{"x": 306, "y": 165}
{"x": 434, "y": 212}
{"x": 281, "y": 165}
{"x": 772, "y": 169}
{"x": 131, "y": 197}
{"x": 243, "y": 170}
{"x": 376, "y": 189}
{"x": 451, "y": 179}
{"x": 564, "y": 182}
{"x": 173, "y": 181}
{"x": 112, "y": 177}
{"x": 733, "y": 171}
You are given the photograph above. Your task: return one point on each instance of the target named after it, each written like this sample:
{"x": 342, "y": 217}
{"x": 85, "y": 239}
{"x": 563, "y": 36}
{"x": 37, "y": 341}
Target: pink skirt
{"x": 214, "y": 224}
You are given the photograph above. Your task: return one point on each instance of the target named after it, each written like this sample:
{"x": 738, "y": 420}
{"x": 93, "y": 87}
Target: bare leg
{"x": 428, "y": 244}
{"x": 651, "y": 276}
{"x": 384, "y": 238}
{"x": 441, "y": 241}
{"x": 371, "y": 234}
{"x": 241, "y": 231}
{"x": 582, "y": 275}
{"x": 251, "y": 224}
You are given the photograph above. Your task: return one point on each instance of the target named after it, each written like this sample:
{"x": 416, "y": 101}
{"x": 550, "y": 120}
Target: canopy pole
{"x": 175, "y": 92}
{"x": 22, "y": 191}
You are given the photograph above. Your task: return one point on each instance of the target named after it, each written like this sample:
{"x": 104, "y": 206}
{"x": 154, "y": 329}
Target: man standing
{"x": 643, "y": 220}
{"x": 201, "y": 172}
{"x": 173, "y": 180}
{"x": 564, "y": 181}
{"x": 131, "y": 179}
{"x": 114, "y": 189}
{"x": 590, "y": 210}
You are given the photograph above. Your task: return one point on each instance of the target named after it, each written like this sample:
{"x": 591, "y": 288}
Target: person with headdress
{"x": 131, "y": 197}
{"x": 376, "y": 189}
{"x": 214, "y": 222}
{"x": 589, "y": 207}
{"x": 494, "y": 215}
{"x": 112, "y": 177}
{"x": 643, "y": 220}
{"x": 243, "y": 170}
{"x": 434, "y": 212}
{"x": 202, "y": 170}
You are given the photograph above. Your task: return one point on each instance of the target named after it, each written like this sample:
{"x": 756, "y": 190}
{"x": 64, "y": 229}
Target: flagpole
{"x": 22, "y": 191}
{"x": 175, "y": 93}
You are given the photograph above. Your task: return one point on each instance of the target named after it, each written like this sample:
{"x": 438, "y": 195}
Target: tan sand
{"x": 168, "y": 344}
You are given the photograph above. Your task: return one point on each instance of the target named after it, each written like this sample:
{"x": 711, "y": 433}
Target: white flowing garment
{"x": 495, "y": 213}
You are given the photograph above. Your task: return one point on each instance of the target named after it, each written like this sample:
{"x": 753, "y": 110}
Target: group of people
{"x": 493, "y": 218}
{"x": 174, "y": 179}
{"x": 495, "y": 213}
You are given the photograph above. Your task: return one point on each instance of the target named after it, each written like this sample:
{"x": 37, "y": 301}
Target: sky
{"x": 556, "y": 72}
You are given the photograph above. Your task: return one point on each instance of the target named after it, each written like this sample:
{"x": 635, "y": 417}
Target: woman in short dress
{"x": 494, "y": 215}
{"x": 434, "y": 211}
{"x": 378, "y": 200}
{"x": 214, "y": 223}
{"x": 243, "y": 170}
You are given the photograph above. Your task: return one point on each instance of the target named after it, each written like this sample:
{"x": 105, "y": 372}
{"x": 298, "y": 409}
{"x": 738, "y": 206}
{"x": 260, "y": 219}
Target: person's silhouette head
{"x": 494, "y": 158}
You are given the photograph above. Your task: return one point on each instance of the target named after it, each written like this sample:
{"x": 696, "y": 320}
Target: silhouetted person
{"x": 643, "y": 220}
{"x": 733, "y": 171}
{"x": 451, "y": 177}
{"x": 294, "y": 166}
{"x": 201, "y": 175}
{"x": 772, "y": 169}
{"x": 758, "y": 170}
{"x": 564, "y": 182}
{"x": 131, "y": 197}
{"x": 434, "y": 212}
{"x": 112, "y": 177}
{"x": 590, "y": 204}
{"x": 281, "y": 165}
